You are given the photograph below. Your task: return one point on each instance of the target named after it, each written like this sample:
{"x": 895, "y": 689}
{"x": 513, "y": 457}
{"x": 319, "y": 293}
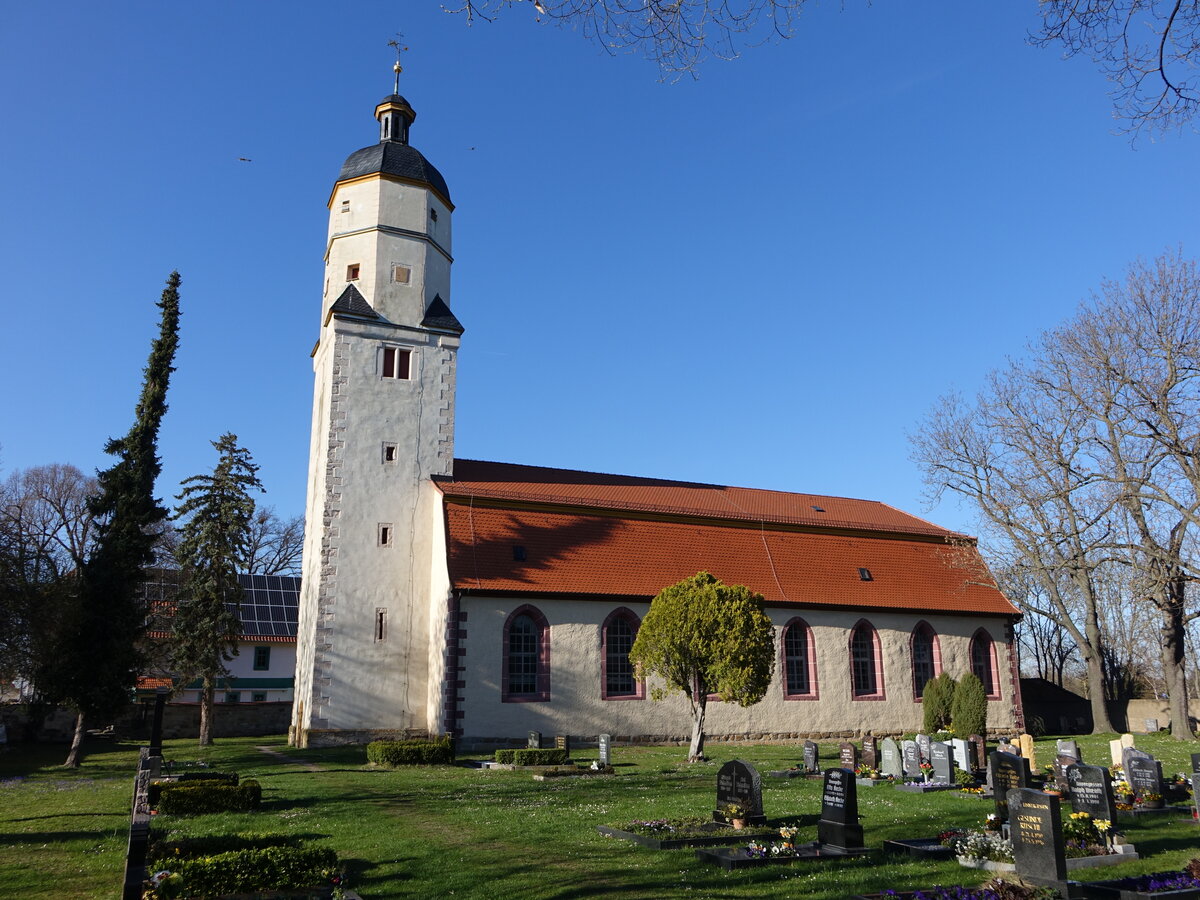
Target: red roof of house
{"x": 589, "y": 534}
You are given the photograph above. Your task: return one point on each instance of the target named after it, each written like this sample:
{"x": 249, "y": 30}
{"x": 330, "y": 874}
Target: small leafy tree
{"x": 704, "y": 637}
{"x": 937, "y": 701}
{"x": 214, "y": 544}
{"x": 970, "y": 707}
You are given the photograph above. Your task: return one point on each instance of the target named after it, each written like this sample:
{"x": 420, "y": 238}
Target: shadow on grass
{"x": 57, "y": 837}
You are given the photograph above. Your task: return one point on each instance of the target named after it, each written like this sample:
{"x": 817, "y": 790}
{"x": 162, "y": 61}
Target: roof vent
{"x": 865, "y": 575}
{"x": 818, "y": 508}
{"x": 519, "y": 553}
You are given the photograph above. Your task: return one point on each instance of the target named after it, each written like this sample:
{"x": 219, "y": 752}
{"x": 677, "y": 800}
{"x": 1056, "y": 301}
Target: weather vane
{"x": 397, "y": 68}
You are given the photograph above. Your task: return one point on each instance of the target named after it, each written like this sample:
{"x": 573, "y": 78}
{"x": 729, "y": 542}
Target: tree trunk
{"x": 76, "y": 751}
{"x": 1090, "y": 649}
{"x": 696, "y": 751}
{"x": 207, "y": 695}
{"x": 1174, "y": 636}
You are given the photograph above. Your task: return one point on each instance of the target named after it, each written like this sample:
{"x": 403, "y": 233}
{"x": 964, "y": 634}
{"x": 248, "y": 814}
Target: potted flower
{"x": 736, "y": 814}
{"x": 1150, "y": 800}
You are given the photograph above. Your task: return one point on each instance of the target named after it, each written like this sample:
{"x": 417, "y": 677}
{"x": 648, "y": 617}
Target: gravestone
{"x": 1004, "y": 745}
{"x": 1151, "y": 726}
{"x": 1091, "y": 791}
{"x": 1028, "y": 752}
{"x": 1130, "y": 753}
{"x": 1196, "y": 782}
{"x": 923, "y": 742}
{"x": 870, "y": 752}
{"x": 1009, "y": 773}
{"x": 889, "y": 759}
{"x": 535, "y": 740}
{"x": 838, "y": 826}
{"x": 604, "y": 745}
{"x": 739, "y": 782}
{"x": 563, "y": 742}
{"x": 848, "y": 756}
{"x": 1127, "y": 740}
{"x": 1115, "y": 751}
{"x": 979, "y": 757}
{"x": 1144, "y": 775}
{"x": 812, "y": 755}
{"x": 912, "y": 759}
{"x": 1036, "y": 833}
{"x": 1069, "y": 748}
{"x": 943, "y": 768}
{"x": 962, "y": 754}
{"x": 1060, "y": 766}
{"x": 156, "y": 728}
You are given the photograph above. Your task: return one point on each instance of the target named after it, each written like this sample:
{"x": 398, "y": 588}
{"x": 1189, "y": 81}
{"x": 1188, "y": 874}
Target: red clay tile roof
{"x": 630, "y": 537}
{"x": 566, "y": 487}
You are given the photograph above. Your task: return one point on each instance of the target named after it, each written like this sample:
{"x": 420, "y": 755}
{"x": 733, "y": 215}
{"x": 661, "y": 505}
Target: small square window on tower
{"x": 352, "y": 271}
{"x": 345, "y": 206}
{"x": 395, "y": 362}
{"x": 389, "y": 452}
{"x": 385, "y": 534}
{"x": 401, "y": 275}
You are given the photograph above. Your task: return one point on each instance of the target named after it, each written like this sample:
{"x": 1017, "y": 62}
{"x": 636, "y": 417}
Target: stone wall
{"x": 180, "y": 720}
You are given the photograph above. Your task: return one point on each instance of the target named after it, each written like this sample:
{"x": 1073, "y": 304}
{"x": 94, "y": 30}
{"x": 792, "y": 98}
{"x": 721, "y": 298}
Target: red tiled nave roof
{"x": 591, "y": 534}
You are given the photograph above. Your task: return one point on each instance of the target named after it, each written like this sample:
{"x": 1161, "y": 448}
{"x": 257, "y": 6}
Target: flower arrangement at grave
{"x": 1085, "y": 836}
{"x": 1148, "y": 800}
{"x": 980, "y": 846}
{"x": 865, "y": 771}
{"x": 785, "y": 846}
{"x": 1177, "y": 787}
{"x": 926, "y": 770}
{"x": 1160, "y": 882}
{"x": 996, "y": 889}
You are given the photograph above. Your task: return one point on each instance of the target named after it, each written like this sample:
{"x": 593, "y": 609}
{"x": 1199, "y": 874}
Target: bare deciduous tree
{"x": 275, "y": 544}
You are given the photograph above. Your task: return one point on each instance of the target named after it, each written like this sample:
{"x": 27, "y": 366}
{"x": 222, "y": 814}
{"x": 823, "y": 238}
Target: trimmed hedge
{"x": 196, "y": 799}
{"x": 155, "y": 789}
{"x": 411, "y": 753}
{"x": 166, "y": 852}
{"x": 936, "y": 702}
{"x": 970, "y": 707}
{"x": 530, "y": 757}
{"x": 269, "y": 868}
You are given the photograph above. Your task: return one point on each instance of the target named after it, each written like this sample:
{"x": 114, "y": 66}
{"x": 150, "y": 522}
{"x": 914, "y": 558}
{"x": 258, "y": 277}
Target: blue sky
{"x": 763, "y": 277}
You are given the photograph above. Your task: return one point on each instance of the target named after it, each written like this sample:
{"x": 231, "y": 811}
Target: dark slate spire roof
{"x": 439, "y": 316}
{"x": 392, "y": 158}
{"x": 354, "y": 303}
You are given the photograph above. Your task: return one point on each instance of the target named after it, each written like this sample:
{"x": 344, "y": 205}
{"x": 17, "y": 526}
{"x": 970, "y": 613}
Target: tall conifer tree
{"x": 100, "y": 659}
{"x": 214, "y": 545}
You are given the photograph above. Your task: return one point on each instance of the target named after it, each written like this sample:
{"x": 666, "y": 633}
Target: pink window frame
{"x": 639, "y": 684}
{"x": 880, "y": 692}
{"x": 542, "y": 693}
{"x": 935, "y": 652}
{"x": 992, "y": 661}
{"x": 814, "y": 685}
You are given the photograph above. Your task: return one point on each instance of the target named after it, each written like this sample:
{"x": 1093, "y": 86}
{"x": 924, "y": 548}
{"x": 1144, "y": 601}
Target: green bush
{"x": 190, "y": 780}
{"x": 411, "y": 753}
{"x": 197, "y": 799}
{"x": 970, "y": 707}
{"x": 168, "y": 851}
{"x": 268, "y": 868}
{"x": 530, "y": 757}
{"x": 937, "y": 701}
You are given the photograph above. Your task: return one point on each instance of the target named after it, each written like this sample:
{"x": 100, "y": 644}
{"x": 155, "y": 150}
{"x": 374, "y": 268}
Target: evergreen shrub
{"x": 190, "y": 780}
{"x": 243, "y": 871}
{"x": 167, "y": 851}
{"x": 937, "y": 702}
{"x": 530, "y": 757}
{"x": 197, "y": 799}
{"x": 970, "y": 707}
{"x": 411, "y": 753}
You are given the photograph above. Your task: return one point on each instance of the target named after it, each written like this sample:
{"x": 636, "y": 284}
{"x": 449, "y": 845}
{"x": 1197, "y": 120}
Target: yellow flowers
{"x": 1102, "y": 825}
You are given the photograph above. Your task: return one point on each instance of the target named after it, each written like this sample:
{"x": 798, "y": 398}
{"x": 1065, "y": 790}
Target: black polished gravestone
{"x": 889, "y": 759}
{"x": 812, "y": 755}
{"x": 739, "y": 782}
{"x": 563, "y": 742}
{"x": 156, "y": 729}
{"x": 978, "y": 752}
{"x": 1196, "y": 783}
{"x": 943, "y": 767}
{"x": 1144, "y": 775}
{"x": 1091, "y": 791}
{"x": 1069, "y": 748}
{"x": 1059, "y": 769}
{"x": 838, "y": 827}
{"x": 912, "y": 759}
{"x": 535, "y": 740}
{"x": 923, "y": 742}
{"x": 1130, "y": 753}
{"x": 1009, "y": 772}
{"x": 848, "y": 756}
{"x": 870, "y": 752}
{"x": 1037, "y": 838}
{"x": 604, "y": 746}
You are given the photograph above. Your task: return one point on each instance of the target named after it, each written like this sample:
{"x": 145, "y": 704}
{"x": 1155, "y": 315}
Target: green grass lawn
{"x": 451, "y": 831}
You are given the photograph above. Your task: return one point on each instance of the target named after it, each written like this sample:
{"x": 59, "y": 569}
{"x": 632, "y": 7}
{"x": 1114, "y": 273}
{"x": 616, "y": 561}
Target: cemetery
{"x": 338, "y": 824}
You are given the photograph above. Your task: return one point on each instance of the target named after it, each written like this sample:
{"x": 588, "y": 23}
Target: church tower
{"x": 383, "y": 423}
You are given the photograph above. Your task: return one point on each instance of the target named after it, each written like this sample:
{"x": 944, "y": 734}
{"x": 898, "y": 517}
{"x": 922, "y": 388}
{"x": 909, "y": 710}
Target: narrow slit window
{"x": 385, "y": 534}
{"x": 432, "y": 214}
{"x": 396, "y": 363}
{"x": 380, "y": 624}
{"x": 389, "y": 453}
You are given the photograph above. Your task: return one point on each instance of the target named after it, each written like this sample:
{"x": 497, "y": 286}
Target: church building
{"x": 488, "y": 600}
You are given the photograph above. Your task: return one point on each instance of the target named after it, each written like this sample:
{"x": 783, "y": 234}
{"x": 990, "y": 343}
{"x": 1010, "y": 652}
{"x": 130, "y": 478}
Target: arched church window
{"x": 526, "y": 664}
{"x": 926, "y": 657}
{"x": 866, "y": 663}
{"x": 983, "y": 663}
{"x": 799, "y": 665}
{"x": 618, "y": 679}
